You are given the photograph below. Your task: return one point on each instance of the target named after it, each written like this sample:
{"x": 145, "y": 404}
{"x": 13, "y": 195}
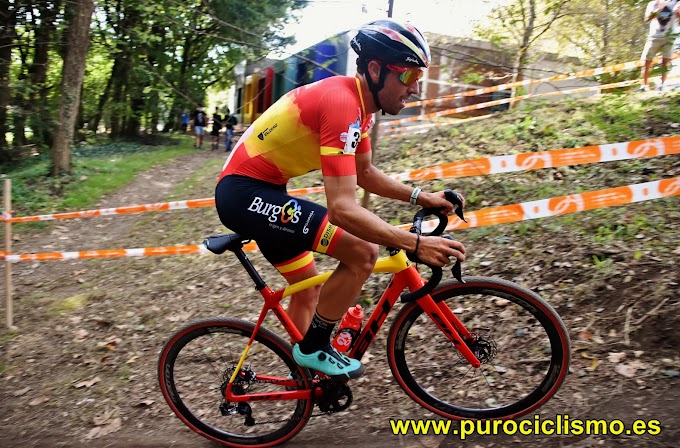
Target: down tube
{"x": 377, "y": 318}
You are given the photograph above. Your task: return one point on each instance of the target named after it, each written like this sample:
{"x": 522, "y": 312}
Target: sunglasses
{"x": 407, "y": 76}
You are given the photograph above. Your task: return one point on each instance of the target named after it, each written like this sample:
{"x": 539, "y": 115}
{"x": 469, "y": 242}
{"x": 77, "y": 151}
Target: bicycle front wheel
{"x": 196, "y": 365}
{"x": 522, "y": 343}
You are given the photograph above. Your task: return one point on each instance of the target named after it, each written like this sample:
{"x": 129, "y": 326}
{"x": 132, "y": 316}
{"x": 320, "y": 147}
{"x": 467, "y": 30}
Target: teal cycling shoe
{"x": 329, "y": 362}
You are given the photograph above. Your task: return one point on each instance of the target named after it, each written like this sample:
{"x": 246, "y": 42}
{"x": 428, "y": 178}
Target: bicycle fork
{"x": 446, "y": 320}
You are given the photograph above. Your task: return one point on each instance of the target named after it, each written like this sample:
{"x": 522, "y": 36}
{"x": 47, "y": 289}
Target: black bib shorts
{"x": 284, "y": 227}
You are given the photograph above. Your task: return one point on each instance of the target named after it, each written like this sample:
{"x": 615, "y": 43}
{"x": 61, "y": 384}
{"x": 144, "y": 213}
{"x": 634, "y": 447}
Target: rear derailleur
{"x": 238, "y": 388}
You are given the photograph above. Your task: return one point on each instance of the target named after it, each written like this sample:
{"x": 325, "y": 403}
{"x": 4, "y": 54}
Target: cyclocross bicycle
{"x": 471, "y": 348}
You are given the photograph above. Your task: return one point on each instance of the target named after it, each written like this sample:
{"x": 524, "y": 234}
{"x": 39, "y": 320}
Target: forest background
{"x": 71, "y": 69}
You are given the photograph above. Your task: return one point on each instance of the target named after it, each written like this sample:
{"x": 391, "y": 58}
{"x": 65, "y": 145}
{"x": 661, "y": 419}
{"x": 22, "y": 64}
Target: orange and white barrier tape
{"x": 488, "y": 104}
{"x": 410, "y": 129}
{"x": 527, "y": 82}
{"x": 638, "y": 149}
{"x": 416, "y": 129}
{"x": 157, "y": 207}
{"x": 111, "y": 253}
{"x": 304, "y": 191}
{"x": 562, "y": 205}
{"x": 474, "y": 167}
{"x": 542, "y": 208}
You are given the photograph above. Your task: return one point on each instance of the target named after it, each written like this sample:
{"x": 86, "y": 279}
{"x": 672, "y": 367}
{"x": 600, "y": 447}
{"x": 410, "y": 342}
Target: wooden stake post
{"x": 8, "y": 249}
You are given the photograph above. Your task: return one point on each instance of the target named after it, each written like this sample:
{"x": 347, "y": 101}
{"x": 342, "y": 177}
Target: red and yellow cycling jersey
{"x": 317, "y": 126}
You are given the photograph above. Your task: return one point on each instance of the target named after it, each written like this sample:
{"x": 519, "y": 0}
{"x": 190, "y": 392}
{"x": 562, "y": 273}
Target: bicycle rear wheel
{"x": 195, "y": 366}
{"x": 522, "y": 343}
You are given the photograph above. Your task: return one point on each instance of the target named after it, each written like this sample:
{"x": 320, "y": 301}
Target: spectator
{"x": 661, "y": 16}
{"x": 199, "y": 121}
{"x": 216, "y": 126}
{"x": 185, "y": 122}
{"x": 230, "y": 122}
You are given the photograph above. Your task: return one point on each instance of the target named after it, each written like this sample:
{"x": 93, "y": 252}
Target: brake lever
{"x": 456, "y": 270}
{"x": 454, "y": 198}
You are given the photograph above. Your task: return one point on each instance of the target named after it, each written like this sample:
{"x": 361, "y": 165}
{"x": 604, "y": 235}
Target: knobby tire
{"x": 198, "y": 360}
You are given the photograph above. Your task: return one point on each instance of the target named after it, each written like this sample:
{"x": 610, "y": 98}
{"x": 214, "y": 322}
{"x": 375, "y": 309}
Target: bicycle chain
{"x": 292, "y": 418}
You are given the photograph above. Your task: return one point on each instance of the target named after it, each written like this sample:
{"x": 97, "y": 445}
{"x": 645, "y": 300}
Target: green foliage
{"x": 146, "y": 63}
{"x": 69, "y": 304}
{"x": 472, "y": 77}
{"x": 602, "y": 33}
{"x": 97, "y": 171}
{"x": 603, "y": 264}
{"x": 544, "y": 126}
{"x": 623, "y": 120}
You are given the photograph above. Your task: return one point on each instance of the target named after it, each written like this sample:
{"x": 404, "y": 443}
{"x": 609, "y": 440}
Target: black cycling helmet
{"x": 392, "y": 42}
{"x": 389, "y": 42}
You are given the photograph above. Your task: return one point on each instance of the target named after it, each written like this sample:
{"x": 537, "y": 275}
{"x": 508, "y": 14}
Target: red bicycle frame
{"x": 405, "y": 276}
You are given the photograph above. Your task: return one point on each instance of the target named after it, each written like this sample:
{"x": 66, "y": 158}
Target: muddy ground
{"x": 79, "y": 368}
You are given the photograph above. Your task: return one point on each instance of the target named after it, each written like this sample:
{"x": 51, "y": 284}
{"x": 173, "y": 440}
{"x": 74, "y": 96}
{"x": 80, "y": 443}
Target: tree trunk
{"x": 79, "y": 124}
{"x": 523, "y": 52}
{"x": 133, "y": 122}
{"x": 606, "y": 30}
{"x": 20, "y": 102}
{"x": 37, "y": 107}
{"x": 119, "y": 106}
{"x": 103, "y": 99}
{"x": 154, "y": 115}
{"x": 8, "y": 18}
{"x": 73, "y": 72}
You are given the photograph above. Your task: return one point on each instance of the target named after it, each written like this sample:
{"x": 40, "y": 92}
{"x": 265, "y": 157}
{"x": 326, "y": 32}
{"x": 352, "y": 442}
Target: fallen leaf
{"x": 93, "y": 433}
{"x": 111, "y": 343}
{"x": 584, "y": 336}
{"x": 88, "y": 383}
{"x": 105, "y": 417}
{"x": 616, "y": 357}
{"x": 38, "y": 401}
{"x": 100, "y": 431}
{"x": 625, "y": 370}
{"x": 225, "y": 281}
{"x": 80, "y": 335}
{"x": 630, "y": 370}
{"x": 144, "y": 403}
{"x": 21, "y": 392}
{"x": 114, "y": 426}
{"x": 593, "y": 365}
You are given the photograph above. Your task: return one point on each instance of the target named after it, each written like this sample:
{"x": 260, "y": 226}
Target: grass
{"x": 535, "y": 126}
{"x": 69, "y": 304}
{"x": 94, "y": 175}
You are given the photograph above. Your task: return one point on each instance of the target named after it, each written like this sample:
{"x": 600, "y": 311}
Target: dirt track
{"x": 83, "y": 374}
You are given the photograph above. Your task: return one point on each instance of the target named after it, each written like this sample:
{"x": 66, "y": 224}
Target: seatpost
{"x": 250, "y": 269}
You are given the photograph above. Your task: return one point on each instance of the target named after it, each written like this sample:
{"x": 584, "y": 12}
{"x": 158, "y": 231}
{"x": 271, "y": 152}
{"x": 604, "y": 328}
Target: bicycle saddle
{"x": 219, "y": 244}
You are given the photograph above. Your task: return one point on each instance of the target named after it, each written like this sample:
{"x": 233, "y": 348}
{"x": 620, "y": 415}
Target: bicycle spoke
{"x": 202, "y": 363}
{"x": 516, "y": 349}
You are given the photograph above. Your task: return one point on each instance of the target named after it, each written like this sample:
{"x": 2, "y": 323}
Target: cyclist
{"x": 325, "y": 126}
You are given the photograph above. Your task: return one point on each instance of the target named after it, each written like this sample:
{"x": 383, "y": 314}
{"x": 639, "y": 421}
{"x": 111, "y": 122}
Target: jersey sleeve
{"x": 340, "y": 133}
